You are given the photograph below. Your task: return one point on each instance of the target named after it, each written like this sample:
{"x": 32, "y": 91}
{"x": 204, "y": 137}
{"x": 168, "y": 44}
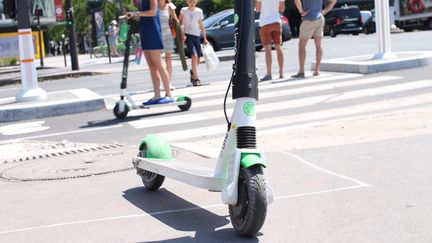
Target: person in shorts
{"x": 312, "y": 26}
{"x": 191, "y": 19}
{"x": 271, "y": 32}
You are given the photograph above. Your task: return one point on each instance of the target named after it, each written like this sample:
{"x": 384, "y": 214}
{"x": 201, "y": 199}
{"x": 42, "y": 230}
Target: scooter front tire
{"x": 248, "y": 215}
{"x": 118, "y": 114}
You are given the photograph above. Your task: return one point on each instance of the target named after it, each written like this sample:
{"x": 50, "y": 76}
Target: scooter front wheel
{"x": 249, "y": 214}
{"x": 120, "y": 114}
{"x": 151, "y": 181}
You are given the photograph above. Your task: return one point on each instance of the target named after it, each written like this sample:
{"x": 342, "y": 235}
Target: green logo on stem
{"x": 249, "y": 108}
{"x": 236, "y": 19}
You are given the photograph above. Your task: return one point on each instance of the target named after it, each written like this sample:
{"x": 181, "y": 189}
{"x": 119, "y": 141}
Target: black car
{"x": 345, "y": 20}
{"x": 369, "y": 25}
{"x": 220, "y": 30}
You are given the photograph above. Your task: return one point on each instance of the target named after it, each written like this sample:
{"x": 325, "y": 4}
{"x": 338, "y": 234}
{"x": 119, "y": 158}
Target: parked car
{"x": 368, "y": 22}
{"x": 220, "y": 30}
{"x": 344, "y": 20}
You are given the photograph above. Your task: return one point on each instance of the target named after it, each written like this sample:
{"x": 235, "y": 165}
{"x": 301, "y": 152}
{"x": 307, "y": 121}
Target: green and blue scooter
{"x": 122, "y": 108}
{"x": 239, "y": 173}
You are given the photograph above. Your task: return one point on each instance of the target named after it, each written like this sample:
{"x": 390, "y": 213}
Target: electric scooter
{"x": 122, "y": 108}
{"x": 239, "y": 172}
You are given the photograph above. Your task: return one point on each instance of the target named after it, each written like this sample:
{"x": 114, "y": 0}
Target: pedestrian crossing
{"x": 288, "y": 105}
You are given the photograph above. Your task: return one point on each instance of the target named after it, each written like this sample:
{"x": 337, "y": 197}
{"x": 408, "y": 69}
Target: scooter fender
{"x": 240, "y": 157}
{"x": 250, "y": 159}
{"x": 245, "y": 158}
{"x": 156, "y": 148}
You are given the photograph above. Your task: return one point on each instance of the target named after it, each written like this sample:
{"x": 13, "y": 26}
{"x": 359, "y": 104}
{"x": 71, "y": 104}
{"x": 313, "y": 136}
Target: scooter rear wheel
{"x": 249, "y": 214}
{"x": 151, "y": 181}
{"x": 186, "y": 106}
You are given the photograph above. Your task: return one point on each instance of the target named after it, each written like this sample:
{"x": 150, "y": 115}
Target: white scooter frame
{"x": 224, "y": 177}
{"x": 240, "y": 168}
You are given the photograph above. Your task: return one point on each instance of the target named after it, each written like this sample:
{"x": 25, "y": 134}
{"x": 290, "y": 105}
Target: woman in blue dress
{"x": 152, "y": 46}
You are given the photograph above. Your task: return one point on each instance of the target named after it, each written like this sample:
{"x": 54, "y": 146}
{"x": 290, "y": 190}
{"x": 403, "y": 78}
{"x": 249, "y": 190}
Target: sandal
{"x": 196, "y": 82}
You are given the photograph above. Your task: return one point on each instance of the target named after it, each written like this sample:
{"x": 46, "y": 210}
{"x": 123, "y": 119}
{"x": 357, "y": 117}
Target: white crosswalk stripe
{"x": 291, "y": 105}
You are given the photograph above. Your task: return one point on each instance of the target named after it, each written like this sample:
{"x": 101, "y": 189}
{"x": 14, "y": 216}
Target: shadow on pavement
{"x": 182, "y": 215}
{"x": 114, "y": 121}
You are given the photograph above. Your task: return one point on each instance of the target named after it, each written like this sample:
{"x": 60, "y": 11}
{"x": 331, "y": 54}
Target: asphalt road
{"x": 349, "y": 159}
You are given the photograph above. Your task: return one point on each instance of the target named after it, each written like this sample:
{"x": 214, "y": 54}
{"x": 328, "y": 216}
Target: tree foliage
{"x": 83, "y": 20}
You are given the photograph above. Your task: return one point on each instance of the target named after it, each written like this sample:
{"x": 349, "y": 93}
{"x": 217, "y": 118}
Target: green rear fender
{"x": 248, "y": 160}
{"x": 182, "y": 98}
{"x": 156, "y": 148}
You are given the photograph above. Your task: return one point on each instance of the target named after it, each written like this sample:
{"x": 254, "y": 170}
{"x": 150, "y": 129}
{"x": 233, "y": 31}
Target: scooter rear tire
{"x": 248, "y": 215}
{"x": 186, "y": 106}
{"x": 151, "y": 181}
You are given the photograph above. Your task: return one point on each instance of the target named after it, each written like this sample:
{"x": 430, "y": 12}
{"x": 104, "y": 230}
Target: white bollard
{"x": 30, "y": 90}
{"x": 382, "y": 16}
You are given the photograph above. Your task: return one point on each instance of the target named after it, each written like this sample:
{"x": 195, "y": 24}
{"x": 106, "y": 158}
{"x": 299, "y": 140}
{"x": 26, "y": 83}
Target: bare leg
{"x": 168, "y": 62}
{"x": 268, "y": 58}
{"x": 154, "y": 75}
{"x": 280, "y": 59}
{"x": 319, "y": 54}
{"x": 194, "y": 64}
{"x": 155, "y": 57}
{"x": 302, "y": 54}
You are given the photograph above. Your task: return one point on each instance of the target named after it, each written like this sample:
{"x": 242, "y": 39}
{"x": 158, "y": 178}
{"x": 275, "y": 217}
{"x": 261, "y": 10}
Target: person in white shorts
{"x": 312, "y": 26}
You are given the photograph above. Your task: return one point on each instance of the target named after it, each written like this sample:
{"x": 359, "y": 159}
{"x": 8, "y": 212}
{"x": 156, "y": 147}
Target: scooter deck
{"x": 184, "y": 171}
{"x": 176, "y": 103}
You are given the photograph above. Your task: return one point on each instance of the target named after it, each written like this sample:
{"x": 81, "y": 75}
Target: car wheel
{"x": 429, "y": 24}
{"x": 213, "y": 44}
{"x": 332, "y": 33}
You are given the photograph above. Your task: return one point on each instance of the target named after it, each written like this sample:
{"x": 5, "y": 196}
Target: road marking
{"x": 307, "y": 119}
{"x": 286, "y": 104}
{"x": 61, "y": 133}
{"x": 360, "y": 185}
{"x": 219, "y": 88}
{"x": 21, "y": 128}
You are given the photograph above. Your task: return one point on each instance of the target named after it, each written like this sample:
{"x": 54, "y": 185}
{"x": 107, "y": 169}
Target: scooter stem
{"x": 245, "y": 81}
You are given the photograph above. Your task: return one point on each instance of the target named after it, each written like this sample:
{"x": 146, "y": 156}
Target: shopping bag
{"x": 211, "y": 59}
{"x": 124, "y": 28}
{"x": 138, "y": 55}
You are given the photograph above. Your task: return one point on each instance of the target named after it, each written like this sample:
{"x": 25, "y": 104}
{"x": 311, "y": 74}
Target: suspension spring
{"x": 246, "y": 137}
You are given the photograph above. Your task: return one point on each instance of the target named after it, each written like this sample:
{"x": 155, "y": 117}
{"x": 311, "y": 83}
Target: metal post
{"x": 38, "y": 12}
{"x": 382, "y": 15}
{"x": 72, "y": 41}
{"x": 30, "y": 90}
{"x": 108, "y": 46}
{"x": 64, "y": 49}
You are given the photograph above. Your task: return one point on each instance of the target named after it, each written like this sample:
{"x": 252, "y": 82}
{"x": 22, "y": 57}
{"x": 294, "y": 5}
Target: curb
{"x": 57, "y": 104}
{"x": 44, "y": 77}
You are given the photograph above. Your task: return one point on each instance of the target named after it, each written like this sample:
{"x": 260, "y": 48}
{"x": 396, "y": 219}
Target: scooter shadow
{"x": 114, "y": 121}
{"x": 182, "y": 215}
